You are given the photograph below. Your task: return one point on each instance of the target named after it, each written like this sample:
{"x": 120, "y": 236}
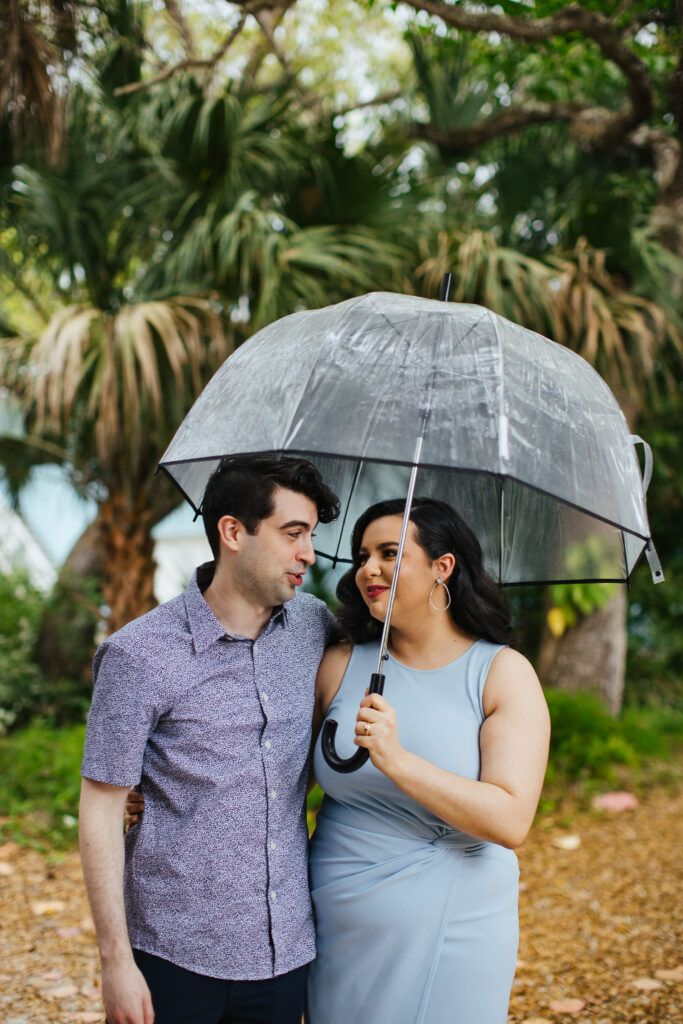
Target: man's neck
{"x": 236, "y": 614}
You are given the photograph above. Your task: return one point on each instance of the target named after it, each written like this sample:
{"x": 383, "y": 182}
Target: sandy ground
{"x": 600, "y": 942}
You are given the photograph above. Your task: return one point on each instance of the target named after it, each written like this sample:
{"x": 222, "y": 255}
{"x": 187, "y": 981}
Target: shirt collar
{"x": 204, "y": 626}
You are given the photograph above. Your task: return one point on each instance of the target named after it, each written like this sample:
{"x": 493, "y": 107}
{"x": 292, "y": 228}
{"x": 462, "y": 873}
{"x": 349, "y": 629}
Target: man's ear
{"x": 230, "y": 531}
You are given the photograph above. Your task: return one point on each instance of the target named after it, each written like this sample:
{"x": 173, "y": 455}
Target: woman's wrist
{"x": 401, "y": 771}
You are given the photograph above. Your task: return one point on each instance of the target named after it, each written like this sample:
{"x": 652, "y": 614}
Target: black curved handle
{"x": 350, "y": 764}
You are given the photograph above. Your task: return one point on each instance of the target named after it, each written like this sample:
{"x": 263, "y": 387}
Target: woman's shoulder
{"x": 510, "y": 677}
{"x": 334, "y": 663}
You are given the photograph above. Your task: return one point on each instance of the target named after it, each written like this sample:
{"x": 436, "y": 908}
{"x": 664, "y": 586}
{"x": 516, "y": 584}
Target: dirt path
{"x": 600, "y": 923}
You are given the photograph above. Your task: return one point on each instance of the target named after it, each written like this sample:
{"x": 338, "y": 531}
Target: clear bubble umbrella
{"x": 387, "y": 392}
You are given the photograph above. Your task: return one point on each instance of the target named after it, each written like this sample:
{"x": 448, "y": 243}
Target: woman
{"x": 413, "y": 877}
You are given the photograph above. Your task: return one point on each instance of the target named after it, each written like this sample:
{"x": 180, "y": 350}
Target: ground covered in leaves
{"x": 600, "y": 922}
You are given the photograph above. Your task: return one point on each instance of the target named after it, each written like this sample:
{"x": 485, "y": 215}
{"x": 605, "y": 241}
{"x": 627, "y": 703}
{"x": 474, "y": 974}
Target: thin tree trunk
{"x": 128, "y": 584}
{"x": 591, "y": 656}
{"x": 66, "y": 638}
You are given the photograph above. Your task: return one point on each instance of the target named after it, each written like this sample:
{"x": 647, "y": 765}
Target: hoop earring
{"x": 440, "y": 583}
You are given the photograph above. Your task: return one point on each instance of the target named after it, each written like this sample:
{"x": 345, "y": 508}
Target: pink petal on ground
{"x": 675, "y": 974}
{"x": 63, "y": 992}
{"x": 68, "y": 933}
{"x": 647, "y": 984}
{"x": 567, "y": 1005}
{"x": 620, "y": 800}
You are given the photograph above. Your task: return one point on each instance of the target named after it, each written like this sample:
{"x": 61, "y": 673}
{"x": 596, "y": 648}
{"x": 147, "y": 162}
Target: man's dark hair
{"x": 477, "y": 602}
{"x": 243, "y": 486}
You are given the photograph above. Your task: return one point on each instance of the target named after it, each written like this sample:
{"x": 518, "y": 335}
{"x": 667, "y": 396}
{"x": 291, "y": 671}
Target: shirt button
{"x": 264, "y": 696}
{"x": 267, "y": 744}
{"x": 272, "y": 844}
{"x": 273, "y": 894}
{"x": 255, "y": 646}
{"x": 273, "y": 793}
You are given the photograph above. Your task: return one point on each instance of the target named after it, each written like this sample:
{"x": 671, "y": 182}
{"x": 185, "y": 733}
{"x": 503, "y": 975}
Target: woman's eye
{"x": 391, "y": 553}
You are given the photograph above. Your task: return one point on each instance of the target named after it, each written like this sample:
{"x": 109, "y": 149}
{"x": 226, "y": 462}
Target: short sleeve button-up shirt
{"x": 217, "y": 729}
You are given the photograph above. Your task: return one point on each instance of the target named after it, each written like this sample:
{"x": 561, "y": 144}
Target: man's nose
{"x": 306, "y": 553}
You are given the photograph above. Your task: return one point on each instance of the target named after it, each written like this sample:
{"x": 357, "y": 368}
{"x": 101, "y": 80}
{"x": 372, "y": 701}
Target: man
{"x": 207, "y": 701}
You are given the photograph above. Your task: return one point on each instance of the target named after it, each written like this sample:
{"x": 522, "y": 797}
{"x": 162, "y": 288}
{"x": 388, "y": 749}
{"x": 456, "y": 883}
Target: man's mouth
{"x": 297, "y": 578}
{"x": 375, "y": 591}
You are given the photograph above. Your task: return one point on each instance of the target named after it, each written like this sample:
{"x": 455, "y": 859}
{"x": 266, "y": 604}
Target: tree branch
{"x": 462, "y": 140}
{"x": 178, "y": 18}
{"x": 185, "y": 65}
{"x": 573, "y": 18}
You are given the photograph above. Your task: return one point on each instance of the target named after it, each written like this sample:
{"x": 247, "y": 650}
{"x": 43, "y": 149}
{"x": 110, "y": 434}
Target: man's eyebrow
{"x": 296, "y": 522}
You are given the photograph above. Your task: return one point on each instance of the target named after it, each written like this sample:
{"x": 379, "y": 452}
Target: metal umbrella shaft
{"x": 354, "y": 762}
{"x": 351, "y": 764}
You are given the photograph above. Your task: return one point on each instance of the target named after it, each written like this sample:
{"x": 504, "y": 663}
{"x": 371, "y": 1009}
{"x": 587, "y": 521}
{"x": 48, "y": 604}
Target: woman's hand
{"x": 377, "y": 732}
{"x": 134, "y": 809}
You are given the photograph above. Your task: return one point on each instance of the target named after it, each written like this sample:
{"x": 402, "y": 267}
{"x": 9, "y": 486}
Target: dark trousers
{"x": 182, "y": 997}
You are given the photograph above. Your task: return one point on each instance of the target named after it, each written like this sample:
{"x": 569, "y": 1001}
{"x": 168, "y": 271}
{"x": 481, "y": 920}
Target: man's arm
{"x": 124, "y": 990}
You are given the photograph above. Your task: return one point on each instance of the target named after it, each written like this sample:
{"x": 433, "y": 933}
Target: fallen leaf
{"x": 63, "y": 992}
{"x": 675, "y": 974}
{"x": 647, "y": 984}
{"x": 47, "y": 907}
{"x": 87, "y": 1017}
{"x": 536, "y": 1020}
{"x": 521, "y": 964}
{"x": 567, "y": 842}
{"x": 87, "y": 924}
{"x": 5, "y": 868}
{"x": 567, "y": 1005}
{"x": 52, "y": 976}
{"x": 619, "y": 800}
{"x": 91, "y": 993}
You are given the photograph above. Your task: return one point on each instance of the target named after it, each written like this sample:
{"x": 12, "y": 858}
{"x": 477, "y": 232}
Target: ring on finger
{"x": 367, "y": 728}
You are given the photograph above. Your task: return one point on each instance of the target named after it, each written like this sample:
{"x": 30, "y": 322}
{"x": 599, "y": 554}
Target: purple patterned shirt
{"x": 216, "y": 728}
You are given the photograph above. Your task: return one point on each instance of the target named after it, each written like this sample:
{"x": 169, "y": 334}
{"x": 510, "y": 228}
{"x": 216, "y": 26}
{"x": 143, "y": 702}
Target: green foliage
{"x": 25, "y": 693}
{"x": 21, "y": 683}
{"x": 40, "y": 785}
{"x": 589, "y": 746}
{"x": 655, "y": 615}
{"x": 313, "y": 803}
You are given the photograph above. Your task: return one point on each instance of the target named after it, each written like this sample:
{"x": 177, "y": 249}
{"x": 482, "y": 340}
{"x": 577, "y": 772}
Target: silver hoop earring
{"x": 440, "y": 583}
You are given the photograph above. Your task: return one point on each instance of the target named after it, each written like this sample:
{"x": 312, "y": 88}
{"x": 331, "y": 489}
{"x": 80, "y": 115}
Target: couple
{"x": 207, "y": 702}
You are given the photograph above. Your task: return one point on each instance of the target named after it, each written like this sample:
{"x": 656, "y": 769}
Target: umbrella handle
{"x": 350, "y": 764}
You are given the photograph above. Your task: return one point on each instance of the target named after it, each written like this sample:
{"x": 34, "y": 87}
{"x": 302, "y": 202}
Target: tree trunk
{"x": 66, "y": 638}
{"x": 591, "y": 656}
{"x": 128, "y": 584}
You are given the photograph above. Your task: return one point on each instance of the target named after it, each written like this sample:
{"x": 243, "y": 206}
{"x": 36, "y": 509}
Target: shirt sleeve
{"x": 334, "y": 633}
{"x": 122, "y": 716}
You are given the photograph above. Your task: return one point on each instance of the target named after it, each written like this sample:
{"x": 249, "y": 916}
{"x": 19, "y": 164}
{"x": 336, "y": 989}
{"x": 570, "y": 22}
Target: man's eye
{"x": 295, "y": 534}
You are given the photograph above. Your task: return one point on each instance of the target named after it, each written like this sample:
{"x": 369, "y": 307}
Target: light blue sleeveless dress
{"x": 416, "y": 922}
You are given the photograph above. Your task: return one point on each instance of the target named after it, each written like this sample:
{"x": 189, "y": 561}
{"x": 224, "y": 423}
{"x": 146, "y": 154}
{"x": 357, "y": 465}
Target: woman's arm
{"x": 330, "y": 674}
{"x": 499, "y": 807}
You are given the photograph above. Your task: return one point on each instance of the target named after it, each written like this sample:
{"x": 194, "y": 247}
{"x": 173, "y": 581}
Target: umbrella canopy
{"x": 519, "y": 434}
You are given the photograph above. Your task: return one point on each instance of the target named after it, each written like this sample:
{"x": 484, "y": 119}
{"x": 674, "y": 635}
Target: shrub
{"x": 21, "y": 682}
{"x": 40, "y": 784}
{"x": 587, "y": 743}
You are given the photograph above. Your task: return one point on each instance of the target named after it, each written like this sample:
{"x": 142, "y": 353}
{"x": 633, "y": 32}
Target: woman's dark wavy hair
{"x": 477, "y": 603}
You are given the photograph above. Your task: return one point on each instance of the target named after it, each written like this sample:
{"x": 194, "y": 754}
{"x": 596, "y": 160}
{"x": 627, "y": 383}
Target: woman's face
{"x": 377, "y": 557}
